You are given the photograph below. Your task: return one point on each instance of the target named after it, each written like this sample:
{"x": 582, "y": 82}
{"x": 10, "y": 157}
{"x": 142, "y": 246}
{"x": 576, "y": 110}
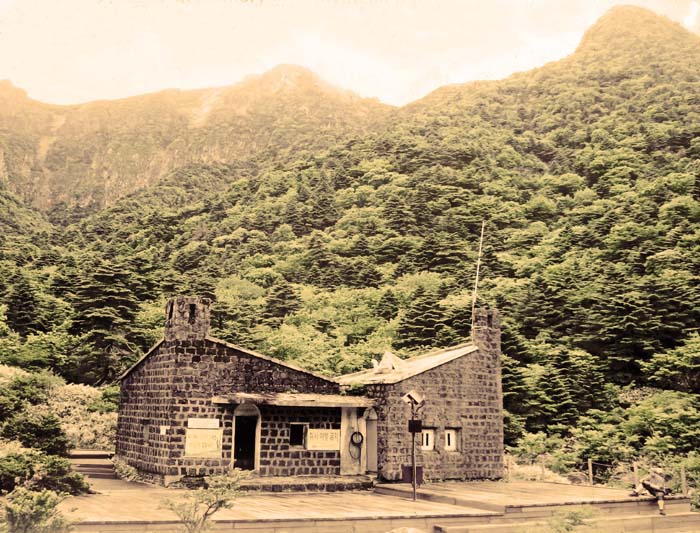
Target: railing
{"x": 597, "y": 473}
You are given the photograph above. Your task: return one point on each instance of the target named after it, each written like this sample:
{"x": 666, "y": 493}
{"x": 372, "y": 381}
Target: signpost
{"x": 414, "y": 426}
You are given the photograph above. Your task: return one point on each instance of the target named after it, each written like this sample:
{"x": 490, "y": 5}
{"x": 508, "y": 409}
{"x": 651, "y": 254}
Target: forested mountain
{"x": 329, "y": 228}
{"x": 73, "y": 160}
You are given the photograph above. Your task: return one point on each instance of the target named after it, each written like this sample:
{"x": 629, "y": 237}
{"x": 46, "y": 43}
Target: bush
{"x": 41, "y": 431}
{"x": 108, "y": 402}
{"x": 39, "y": 471}
{"x": 86, "y": 425}
{"x": 34, "y": 388}
{"x": 196, "y": 509}
{"x": 26, "y": 511}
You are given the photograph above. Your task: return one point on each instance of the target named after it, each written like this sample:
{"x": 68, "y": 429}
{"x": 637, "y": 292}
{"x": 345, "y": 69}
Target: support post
{"x": 413, "y": 452}
{"x": 542, "y": 468}
{"x": 684, "y": 481}
{"x": 590, "y": 471}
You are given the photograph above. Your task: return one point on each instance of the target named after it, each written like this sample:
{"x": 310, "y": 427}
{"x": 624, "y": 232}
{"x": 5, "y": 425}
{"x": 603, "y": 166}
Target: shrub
{"x": 108, "y": 402}
{"x": 85, "y": 425}
{"x": 34, "y": 388}
{"x": 26, "y": 511}
{"x": 39, "y": 471}
{"x": 124, "y": 470}
{"x": 197, "y": 508}
{"x": 37, "y": 430}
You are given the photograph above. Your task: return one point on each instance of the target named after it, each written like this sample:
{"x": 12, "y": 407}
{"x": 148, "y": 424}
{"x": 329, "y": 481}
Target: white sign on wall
{"x": 323, "y": 439}
{"x": 203, "y": 443}
{"x": 203, "y": 423}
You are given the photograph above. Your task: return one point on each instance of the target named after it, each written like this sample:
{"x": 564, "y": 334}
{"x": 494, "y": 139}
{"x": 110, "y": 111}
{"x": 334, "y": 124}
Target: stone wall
{"x": 178, "y": 380}
{"x": 465, "y": 395}
{"x": 277, "y": 458}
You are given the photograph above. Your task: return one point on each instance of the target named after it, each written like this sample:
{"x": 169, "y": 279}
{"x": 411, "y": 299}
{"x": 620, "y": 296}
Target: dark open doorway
{"x": 244, "y": 442}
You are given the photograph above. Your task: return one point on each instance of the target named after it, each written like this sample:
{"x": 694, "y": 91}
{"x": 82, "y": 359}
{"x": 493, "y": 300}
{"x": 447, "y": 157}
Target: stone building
{"x": 195, "y": 405}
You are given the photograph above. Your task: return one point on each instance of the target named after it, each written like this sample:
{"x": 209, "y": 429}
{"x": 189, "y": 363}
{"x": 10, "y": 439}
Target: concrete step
{"x": 307, "y": 484}
{"x": 100, "y": 476}
{"x": 617, "y": 507}
{"x": 90, "y": 454}
{"x": 403, "y": 492}
{"x": 678, "y": 523}
{"x": 95, "y": 465}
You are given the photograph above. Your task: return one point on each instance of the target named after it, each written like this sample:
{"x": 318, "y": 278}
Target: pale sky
{"x": 70, "y": 51}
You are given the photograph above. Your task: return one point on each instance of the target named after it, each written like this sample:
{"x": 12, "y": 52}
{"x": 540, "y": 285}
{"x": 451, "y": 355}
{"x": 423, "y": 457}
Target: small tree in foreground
{"x": 27, "y": 511}
{"x": 197, "y": 508}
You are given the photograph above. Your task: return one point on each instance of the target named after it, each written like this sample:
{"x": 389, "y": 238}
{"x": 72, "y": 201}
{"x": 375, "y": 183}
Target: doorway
{"x": 246, "y": 427}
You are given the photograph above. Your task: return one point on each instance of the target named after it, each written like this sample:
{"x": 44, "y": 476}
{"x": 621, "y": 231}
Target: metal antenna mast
{"x": 476, "y": 280}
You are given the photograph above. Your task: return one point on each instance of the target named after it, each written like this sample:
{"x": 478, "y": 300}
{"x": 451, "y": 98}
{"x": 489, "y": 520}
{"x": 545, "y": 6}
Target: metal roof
{"x": 407, "y": 368}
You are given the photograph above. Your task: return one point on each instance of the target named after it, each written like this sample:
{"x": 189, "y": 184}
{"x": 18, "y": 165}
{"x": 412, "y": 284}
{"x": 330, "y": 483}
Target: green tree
{"x": 421, "y": 323}
{"x": 677, "y": 369}
{"x": 23, "y": 313}
{"x": 282, "y": 300}
{"x": 105, "y": 315}
{"x": 27, "y": 511}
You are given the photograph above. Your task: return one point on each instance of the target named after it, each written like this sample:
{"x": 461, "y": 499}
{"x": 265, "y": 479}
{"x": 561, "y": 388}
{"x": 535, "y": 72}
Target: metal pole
{"x": 413, "y": 452}
{"x": 476, "y": 280}
{"x": 590, "y": 471}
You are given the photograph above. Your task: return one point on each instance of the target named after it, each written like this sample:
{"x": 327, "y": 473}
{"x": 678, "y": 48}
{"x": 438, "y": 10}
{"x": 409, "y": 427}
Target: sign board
{"x": 203, "y": 423}
{"x": 323, "y": 439}
{"x": 203, "y": 443}
{"x": 415, "y": 426}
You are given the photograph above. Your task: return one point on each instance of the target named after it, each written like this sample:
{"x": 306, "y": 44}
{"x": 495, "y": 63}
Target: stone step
{"x": 307, "y": 484}
{"x": 90, "y": 454}
{"x": 679, "y": 523}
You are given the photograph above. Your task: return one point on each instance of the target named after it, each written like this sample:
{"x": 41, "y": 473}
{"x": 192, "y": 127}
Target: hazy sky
{"x": 69, "y": 51}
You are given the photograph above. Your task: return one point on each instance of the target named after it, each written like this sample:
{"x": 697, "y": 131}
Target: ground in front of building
{"x": 452, "y": 507}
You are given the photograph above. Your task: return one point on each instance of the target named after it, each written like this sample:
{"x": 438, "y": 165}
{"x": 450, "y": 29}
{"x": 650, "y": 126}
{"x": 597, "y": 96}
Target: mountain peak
{"x": 635, "y": 28}
{"x": 8, "y": 88}
{"x": 285, "y": 78}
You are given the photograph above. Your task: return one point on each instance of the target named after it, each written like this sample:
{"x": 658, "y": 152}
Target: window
{"x": 297, "y": 434}
{"x": 427, "y": 442}
{"x": 451, "y": 440}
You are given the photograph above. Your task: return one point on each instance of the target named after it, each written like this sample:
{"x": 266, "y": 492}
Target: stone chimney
{"x": 486, "y": 333}
{"x": 186, "y": 318}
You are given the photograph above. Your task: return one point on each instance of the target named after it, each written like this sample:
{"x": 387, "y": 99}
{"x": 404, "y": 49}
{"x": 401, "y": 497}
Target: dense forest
{"x": 327, "y": 228}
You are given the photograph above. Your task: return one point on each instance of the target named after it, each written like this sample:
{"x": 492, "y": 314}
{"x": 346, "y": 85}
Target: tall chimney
{"x": 487, "y": 331}
{"x": 187, "y": 318}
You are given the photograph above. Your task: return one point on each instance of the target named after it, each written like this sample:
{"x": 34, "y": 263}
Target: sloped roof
{"x": 408, "y": 367}
{"x": 252, "y": 353}
{"x": 141, "y": 359}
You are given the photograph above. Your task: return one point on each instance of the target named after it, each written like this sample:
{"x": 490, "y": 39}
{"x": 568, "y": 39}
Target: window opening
{"x": 451, "y": 440}
{"x": 297, "y": 434}
{"x": 427, "y": 439}
{"x": 193, "y": 313}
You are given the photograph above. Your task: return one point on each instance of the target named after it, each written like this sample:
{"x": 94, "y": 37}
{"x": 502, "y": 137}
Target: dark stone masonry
{"x": 195, "y": 406}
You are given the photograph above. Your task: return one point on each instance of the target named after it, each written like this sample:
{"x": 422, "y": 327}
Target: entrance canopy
{"x": 292, "y": 399}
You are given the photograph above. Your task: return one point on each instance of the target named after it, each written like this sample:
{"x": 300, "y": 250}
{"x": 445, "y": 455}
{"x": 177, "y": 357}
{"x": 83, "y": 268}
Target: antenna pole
{"x": 476, "y": 280}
